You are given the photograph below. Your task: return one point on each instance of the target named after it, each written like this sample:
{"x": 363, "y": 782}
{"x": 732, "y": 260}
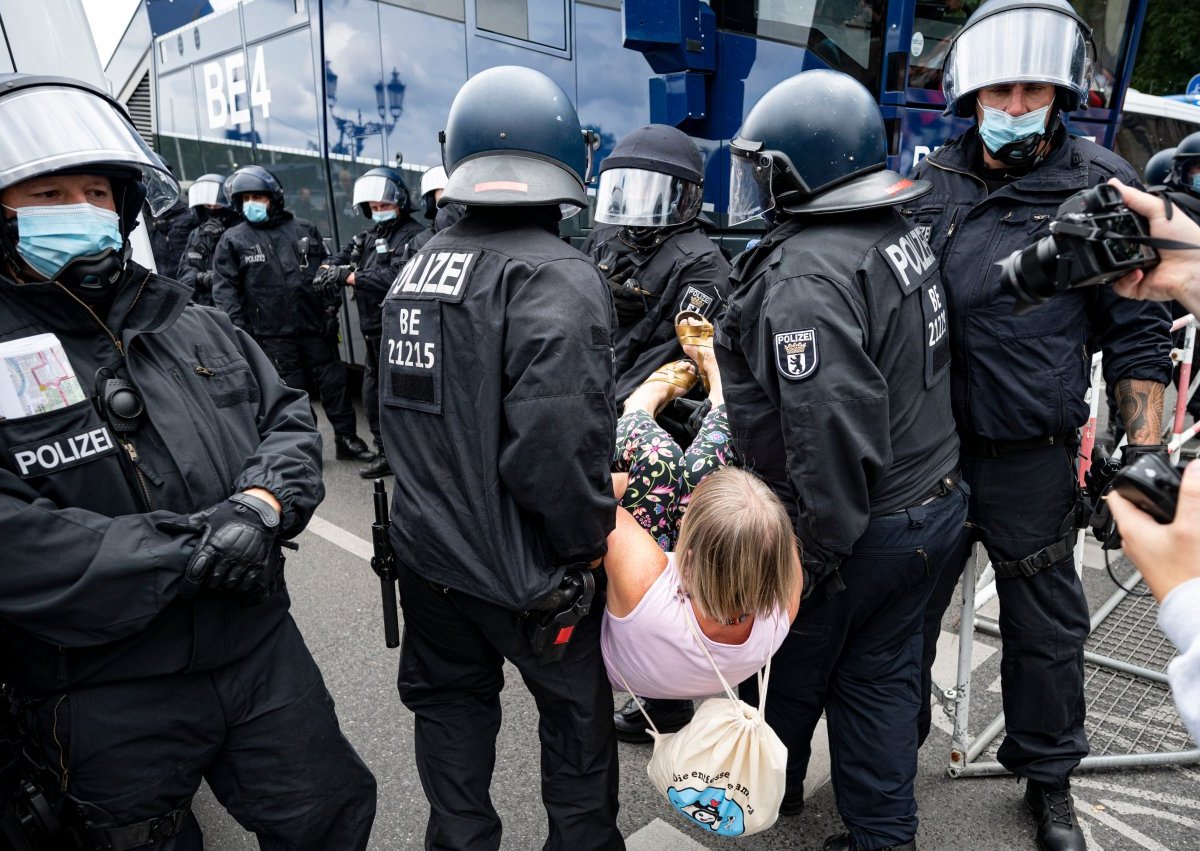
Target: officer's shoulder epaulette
{"x": 1101, "y": 160}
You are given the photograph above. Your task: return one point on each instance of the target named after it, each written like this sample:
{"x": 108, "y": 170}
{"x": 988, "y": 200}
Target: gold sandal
{"x": 677, "y": 374}
{"x": 693, "y": 329}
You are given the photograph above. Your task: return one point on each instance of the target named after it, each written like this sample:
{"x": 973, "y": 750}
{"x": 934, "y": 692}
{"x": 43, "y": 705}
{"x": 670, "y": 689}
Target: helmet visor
{"x": 52, "y": 128}
{"x": 206, "y": 193}
{"x": 639, "y": 198}
{"x": 1019, "y": 46}
{"x": 376, "y": 187}
{"x": 749, "y": 186}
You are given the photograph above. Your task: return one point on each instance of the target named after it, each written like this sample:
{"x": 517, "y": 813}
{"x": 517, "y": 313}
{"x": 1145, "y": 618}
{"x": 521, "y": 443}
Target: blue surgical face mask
{"x": 998, "y": 128}
{"x": 1196, "y": 182}
{"x": 51, "y": 237}
{"x": 254, "y": 211}
{"x": 383, "y": 215}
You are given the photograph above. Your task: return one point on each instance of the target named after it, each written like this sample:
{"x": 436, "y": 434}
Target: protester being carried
{"x": 735, "y": 571}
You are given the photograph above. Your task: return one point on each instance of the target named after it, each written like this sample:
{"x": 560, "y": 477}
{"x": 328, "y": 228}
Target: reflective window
{"x": 845, "y": 34}
{"x": 1142, "y": 136}
{"x": 176, "y": 104}
{"x": 452, "y": 9}
{"x": 540, "y": 21}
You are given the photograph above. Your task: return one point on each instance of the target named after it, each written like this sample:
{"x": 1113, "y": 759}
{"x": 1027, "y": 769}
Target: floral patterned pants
{"x": 661, "y": 475}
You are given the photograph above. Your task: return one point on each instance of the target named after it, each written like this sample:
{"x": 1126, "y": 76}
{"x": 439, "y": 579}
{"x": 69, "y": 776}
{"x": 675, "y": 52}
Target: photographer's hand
{"x": 1177, "y": 276}
{"x": 1167, "y": 555}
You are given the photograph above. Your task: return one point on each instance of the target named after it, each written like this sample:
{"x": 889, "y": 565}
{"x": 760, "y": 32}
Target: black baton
{"x": 383, "y": 562}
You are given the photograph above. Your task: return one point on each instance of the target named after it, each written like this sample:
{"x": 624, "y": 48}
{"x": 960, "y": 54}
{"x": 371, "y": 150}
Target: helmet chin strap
{"x": 94, "y": 277}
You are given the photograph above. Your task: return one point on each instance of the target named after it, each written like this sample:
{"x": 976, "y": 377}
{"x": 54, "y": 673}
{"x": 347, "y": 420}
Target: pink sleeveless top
{"x": 654, "y": 649}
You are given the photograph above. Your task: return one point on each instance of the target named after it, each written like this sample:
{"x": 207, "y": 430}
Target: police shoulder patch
{"x": 438, "y": 275}
{"x": 796, "y": 353}
{"x": 697, "y": 300}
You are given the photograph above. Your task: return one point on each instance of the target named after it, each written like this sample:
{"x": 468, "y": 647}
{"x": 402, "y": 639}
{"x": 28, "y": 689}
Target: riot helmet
{"x": 208, "y": 190}
{"x": 1158, "y": 168}
{"x": 814, "y": 143}
{"x": 1187, "y": 157}
{"x": 653, "y": 178}
{"x": 431, "y": 181}
{"x": 60, "y": 127}
{"x": 1019, "y": 41}
{"x": 257, "y": 180}
{"x": 383, "y": 185}
{"x": 513, "y": 139}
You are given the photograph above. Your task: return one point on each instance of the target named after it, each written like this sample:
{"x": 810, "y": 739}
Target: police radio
{"x": 383, "y": 562}
{"x": 551, "y": 625}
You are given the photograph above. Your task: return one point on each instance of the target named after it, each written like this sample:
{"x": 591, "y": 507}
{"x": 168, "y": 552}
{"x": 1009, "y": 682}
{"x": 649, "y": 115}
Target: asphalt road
{"x": 336, "y": 603}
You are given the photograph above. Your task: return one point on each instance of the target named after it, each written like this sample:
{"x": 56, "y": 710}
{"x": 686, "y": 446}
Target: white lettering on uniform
{"x": 910, "y": 252}
{"x": 50, "y": 456}
{"x": 435, "y": 273}
{"x": 454, "y": 272}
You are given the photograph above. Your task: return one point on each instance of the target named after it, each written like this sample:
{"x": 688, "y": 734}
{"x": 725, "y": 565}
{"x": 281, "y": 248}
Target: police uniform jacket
{"x": 446, "y": 216}
{"x": 89, "y": 591}
{"x": 377, "y": 269}
{"x": 1021, "y": 377}
{"x": 195, "y": 269}
{"x": 497, "y": 407}
{"x": 834, "y": 361}
{"x": 263, "y": 279}
{"x": 169, "y": 234}
{"x": 686, "y": 270}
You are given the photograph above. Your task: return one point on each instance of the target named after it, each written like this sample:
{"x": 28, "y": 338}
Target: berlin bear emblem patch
{"x": 796, "y": 353}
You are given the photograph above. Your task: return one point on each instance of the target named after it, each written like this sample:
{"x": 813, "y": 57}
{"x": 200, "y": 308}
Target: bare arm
{"x": 633, "y": 563}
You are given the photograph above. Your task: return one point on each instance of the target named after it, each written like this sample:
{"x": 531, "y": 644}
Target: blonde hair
{"x": 737, "y": 548}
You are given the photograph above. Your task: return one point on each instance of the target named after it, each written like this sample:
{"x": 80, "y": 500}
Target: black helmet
{"x": 253, "y": 178}
{"x": 1019, "y": 41}
{"x": 653, "y": 178}
{"x": 513, "y": 139}
{"x": 381, "y": 184}
{"x": 208, "y": 190}
{"x": 1187, "y": 154}
{"x": 91, "y": 134}
{"x": 814, "y": 143}
{"x": 1158, "y": 167}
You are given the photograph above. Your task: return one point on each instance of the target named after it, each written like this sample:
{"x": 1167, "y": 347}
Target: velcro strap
{"x": 1044, "y": 557}
{"x": 143, "y": 833}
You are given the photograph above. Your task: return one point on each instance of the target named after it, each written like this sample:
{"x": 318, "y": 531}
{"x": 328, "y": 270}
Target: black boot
{"x": 844, "y": 842}
{"x": 376, "y": 467}
{"x": 1054, "y": 810}
{"x": 351, "y": 448}
{"x": 669, "y": 716}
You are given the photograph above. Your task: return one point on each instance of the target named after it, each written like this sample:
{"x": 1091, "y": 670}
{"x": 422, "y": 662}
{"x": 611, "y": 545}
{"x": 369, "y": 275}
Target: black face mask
{"x": 429, "y": 206}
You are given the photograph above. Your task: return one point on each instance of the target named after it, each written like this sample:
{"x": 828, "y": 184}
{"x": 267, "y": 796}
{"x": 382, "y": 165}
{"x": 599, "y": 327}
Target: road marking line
{"x": 1130, "y": 833}
{"x": 1133, "y": 792}
{"x": 338, "y": 536}
{"x": 658, "y": 835}
{"x": 1127, "y": 808}
{"x": 1086, "y": 830}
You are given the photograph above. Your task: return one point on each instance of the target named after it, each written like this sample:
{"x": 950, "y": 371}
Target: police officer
{"x": 1158, "y": 167}
{"x": 1185, "y": 165}
{"x": 653, "y": 249}
{"x": 147, "y": 480}
{"x": 433, "y": 183}
{"x": 263, "y": 271}
{"x": 498, "y": 418}
{"x": 369, "y": 265}
{"x": 207, "y": 199}
{"x": 1019, "y": 380}
{"x": 835, "y": 364}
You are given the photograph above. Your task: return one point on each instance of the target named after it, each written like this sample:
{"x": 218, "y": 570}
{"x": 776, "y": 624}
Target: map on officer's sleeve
{"x": 36, "y": 377}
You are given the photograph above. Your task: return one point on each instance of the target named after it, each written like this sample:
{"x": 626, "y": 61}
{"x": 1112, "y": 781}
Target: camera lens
{"x": 1028, "y": 275}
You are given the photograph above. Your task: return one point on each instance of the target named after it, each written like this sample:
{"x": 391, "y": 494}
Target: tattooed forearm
{"x": 1141, "y": 405}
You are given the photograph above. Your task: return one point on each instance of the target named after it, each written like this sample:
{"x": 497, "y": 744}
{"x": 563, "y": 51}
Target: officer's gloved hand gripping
{"x": 237, "y": 549}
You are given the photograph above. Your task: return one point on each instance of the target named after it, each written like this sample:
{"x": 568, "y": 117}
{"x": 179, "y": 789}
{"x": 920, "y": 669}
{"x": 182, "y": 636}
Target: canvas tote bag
{"x": 725, "y": 772}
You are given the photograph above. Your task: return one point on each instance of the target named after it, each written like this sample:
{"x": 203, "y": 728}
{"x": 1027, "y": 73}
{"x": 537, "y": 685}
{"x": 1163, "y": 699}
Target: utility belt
{"x": 946, "y": 484}
{"x": 982, "y": 447}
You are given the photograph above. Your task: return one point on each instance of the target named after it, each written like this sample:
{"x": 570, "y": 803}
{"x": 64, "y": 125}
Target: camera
{"x": 1152, "y": 484}
{"x": 1094, "y": 239}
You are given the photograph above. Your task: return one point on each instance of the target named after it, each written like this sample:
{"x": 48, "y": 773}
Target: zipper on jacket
{"x": 953, "y": 224}
{"x": 132, "y": 452}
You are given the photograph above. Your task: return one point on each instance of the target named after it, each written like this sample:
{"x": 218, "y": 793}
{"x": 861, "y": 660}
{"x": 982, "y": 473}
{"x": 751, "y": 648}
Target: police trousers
{"x": 451, "y": 661}
{"x": 370, "y": 386}
{"x": 303, "y": 360}
{"x": 262, "y": 731}
{"x": 1019, "y": 502}
{"x": 857, "y": 656}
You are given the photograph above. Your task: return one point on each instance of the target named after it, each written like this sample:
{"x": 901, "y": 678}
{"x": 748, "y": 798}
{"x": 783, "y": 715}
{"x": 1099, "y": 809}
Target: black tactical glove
{"x": 204, "y": 280}
{"x": 1099, "y": 483}
{"x": 630, "y": 302}
{"x": 237, "y": 542}
{"x": 330, "y": 279}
